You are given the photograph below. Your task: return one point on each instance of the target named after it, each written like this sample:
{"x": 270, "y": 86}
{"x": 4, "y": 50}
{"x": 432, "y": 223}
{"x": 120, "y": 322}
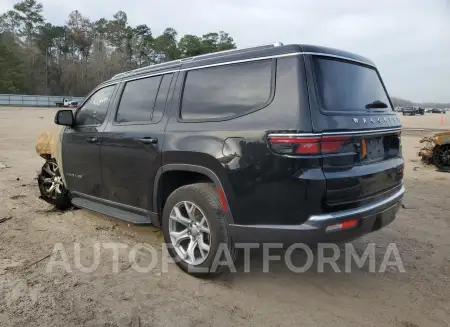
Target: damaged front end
{"x": 436, "y": 150}
{"x": 51, "y": 177}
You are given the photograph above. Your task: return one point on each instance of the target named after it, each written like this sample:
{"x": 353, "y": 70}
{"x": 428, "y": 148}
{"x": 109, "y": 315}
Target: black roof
{"x": 275, "y": 49}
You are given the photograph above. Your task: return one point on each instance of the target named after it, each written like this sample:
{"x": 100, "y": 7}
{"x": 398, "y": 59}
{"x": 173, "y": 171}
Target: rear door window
{"x": 138, "y": 99}
{"x": 345, "y": 86}
{"x": 226, "y": 91}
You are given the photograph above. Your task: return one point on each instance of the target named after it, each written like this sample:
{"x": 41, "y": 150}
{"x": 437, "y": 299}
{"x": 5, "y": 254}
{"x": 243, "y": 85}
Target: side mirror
{"x": 64, "y": 117}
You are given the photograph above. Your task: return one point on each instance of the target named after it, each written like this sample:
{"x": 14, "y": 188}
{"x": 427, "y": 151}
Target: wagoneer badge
{"x": 378, "y": 119}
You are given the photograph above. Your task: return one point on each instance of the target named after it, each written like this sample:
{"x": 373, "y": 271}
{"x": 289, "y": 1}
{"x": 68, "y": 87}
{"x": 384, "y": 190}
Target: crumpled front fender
{"x": 442, "y": 138}
{"x": 48, "y": 146}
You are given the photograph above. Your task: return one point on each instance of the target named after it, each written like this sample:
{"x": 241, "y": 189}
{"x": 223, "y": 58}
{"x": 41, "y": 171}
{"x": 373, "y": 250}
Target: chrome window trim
{"x": 292, "y": 54}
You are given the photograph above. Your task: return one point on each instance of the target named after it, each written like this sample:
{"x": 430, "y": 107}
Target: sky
{"x": 407, "y": 39}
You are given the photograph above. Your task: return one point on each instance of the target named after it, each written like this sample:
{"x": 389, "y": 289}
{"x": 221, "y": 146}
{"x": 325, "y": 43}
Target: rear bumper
{"x": 370, "y": 218}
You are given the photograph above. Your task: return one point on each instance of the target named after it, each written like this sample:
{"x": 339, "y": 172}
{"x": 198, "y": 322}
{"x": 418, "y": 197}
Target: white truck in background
{"x": 67, "y": 103}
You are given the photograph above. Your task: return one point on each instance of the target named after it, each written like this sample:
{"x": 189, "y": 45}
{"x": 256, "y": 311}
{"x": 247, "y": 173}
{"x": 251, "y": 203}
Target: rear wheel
{"x": 441, "y": 157}
{"x": 195, "y": 230}
{"x": 51, "y": 185}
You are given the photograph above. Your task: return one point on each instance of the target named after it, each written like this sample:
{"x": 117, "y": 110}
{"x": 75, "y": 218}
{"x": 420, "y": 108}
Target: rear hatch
{"x": 351, "y": 109}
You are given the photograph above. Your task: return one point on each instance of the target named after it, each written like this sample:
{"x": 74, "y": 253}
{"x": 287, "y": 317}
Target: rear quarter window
{"x": 345, "y": 86}
{"x": 227, "y": 91}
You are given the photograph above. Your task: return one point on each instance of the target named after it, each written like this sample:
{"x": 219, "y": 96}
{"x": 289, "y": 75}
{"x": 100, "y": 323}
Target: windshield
{"x": 344, "y": 86}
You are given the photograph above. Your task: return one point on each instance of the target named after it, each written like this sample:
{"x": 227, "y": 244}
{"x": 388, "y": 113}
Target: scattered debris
{"x": 135, "y": 321}
{"x": 3, "y": 165}
{"x": 409, "y": 324}
{"x": 16, "y": 197}
{"x": 36, "y": 262}
{"x": 2, "y": 220}
{"x": 126, "y": 266}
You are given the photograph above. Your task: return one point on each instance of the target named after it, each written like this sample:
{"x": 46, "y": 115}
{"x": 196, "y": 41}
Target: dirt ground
{"x": 427, "y": 121}
{"x": 30, "y": 295}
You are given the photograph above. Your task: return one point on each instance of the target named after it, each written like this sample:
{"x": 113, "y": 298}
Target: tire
{"x": 403, "y": 113}
{"x": 48, "y": 177}
{"x": 206, "y": 200}
{"x": 441, "y": 157}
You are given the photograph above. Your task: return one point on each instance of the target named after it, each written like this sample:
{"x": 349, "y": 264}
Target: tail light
{"x": 307, "y": 145}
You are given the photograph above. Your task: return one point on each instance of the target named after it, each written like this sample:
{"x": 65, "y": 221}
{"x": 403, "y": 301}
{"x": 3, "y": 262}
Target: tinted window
{"x": 94, "y": 110}
{"x": 345, "y": 86}
{"x": 226, "y": 91}
{"x": 161, "y": 98}
{"x": 138, "y": 99}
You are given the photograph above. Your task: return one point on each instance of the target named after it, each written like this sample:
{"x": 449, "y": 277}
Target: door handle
{"x": 92, "y": 139}
{"x": 148, "y": 140}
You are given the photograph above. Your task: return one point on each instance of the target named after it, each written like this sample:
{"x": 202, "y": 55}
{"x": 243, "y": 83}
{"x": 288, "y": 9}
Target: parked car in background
{"x": 438, "y": 111}
{"x": 409, "y": 111}
{"x": 412, "y": 111}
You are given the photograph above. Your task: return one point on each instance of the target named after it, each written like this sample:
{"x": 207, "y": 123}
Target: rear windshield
{"x": 344, "y": 86}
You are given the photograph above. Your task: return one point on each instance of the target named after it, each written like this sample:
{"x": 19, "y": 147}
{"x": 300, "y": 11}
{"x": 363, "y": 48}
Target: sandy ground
{"x": 31, "y": 295}
{"x": 427, "y": 121}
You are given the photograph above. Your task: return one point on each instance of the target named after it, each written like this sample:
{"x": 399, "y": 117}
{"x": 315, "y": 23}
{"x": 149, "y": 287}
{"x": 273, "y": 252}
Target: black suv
{"x": 413, "y": 111}
{"x": 276, "y": 143}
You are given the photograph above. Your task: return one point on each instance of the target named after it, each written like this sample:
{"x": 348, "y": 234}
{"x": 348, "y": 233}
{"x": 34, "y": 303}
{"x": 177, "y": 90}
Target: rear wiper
{"x": 376, "y": 104}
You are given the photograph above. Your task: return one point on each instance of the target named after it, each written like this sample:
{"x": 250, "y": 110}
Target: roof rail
{"x": 161, "y": 65}
{"x": 202, "y": 56}
{"x": 246, "y": 49}
{"x": 117, "y": 75}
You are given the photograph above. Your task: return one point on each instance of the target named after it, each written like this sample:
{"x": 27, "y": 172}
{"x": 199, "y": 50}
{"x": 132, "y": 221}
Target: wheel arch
{"x": 192, "y": 169}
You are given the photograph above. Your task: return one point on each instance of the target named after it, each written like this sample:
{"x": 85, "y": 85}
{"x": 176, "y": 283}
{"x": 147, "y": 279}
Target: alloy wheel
{"x": 52, "y": 182}
{"x": 189, "y": 232}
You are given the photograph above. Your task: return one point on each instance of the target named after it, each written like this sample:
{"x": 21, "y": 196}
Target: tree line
{"x": 37, "y": 57}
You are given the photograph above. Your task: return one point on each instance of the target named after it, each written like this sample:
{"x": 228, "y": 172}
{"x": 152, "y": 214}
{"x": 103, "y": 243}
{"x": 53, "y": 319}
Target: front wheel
{"x": 441, "y": 157}
{"x": 52, "y": 187}
{"x": 195, "y": 230}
